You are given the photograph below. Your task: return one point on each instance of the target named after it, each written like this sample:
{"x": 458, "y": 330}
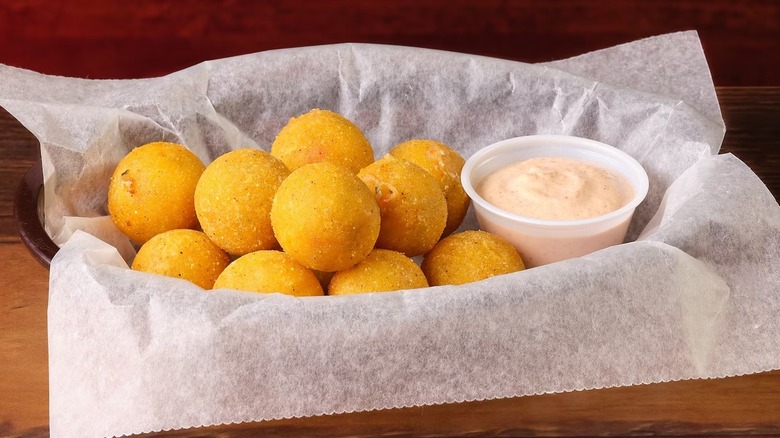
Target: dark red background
{"x": 95, "y": 39}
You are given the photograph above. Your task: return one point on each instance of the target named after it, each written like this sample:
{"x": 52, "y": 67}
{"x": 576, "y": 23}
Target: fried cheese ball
{"x": 325, "y": 217}
{"x": 322, "y": 135}
{"x": 151, "y": 190}
{"x": 186, "y": 254}
{"x": 470, "y": 256}
{"x": 445, "y": 165}
{"x": 269, "y": 271}
{"x": 381, "y": 271}
{"x": 233, "y": 200}
{"x": 414, "y": 210}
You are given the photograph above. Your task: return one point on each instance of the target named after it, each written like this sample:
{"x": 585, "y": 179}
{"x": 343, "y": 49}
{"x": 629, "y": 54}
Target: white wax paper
{"x": 695, "y": 293}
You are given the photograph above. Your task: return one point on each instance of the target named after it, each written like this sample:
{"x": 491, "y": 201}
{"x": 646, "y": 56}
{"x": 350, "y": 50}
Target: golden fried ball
{"x": 322, "y": 135}
{"x": 233, "y": 200}
{"x": 445, "y": 165}
{"x": 382, "y": 270}
{"x": 325, "y": 217}
{"x": 470, "y": 256}
{"x": 151, "y": 190}
{"x": 414, "y": 210}
{"x": 186, "y": 254}
{"x": 269, "y": 271}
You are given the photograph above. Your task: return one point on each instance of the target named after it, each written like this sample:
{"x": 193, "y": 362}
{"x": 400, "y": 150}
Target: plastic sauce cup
{"x": 541, "y": 241}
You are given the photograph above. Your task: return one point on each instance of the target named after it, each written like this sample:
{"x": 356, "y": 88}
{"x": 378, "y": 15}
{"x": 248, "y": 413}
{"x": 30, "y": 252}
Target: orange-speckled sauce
{"x": 555, "y": 188}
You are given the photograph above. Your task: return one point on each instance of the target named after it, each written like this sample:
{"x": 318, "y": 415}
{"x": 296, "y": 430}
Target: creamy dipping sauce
{"x": 555, "y": 188}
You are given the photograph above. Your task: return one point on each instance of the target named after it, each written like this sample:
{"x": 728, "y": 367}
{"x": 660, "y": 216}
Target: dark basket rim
{"x": 28, "y": 218}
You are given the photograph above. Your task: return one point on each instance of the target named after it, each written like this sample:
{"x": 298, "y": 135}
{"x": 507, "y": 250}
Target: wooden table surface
{"x": 739, "y": 405}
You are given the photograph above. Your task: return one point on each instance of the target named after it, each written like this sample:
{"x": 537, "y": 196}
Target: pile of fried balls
{"x": 317, "y": 215}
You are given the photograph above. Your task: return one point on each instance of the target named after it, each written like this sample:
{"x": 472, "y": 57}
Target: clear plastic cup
{"x": 541, "y": 241}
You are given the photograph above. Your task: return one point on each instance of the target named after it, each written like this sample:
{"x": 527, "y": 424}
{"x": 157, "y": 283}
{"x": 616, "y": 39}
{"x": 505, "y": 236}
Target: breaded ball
{"x": 470, "y": 256}
{"x": 322, "y": 135}
{"x": 445, "y": 165}
{"x": 382, "y": 270}
{"x": 186, "y": 254}
{"x": 325, "y": 217}
{"x": 152, "y": 188}
{"x": 233, "y": 200}
{"x": 414, "y": 210}
{"x": 269, "y": 271}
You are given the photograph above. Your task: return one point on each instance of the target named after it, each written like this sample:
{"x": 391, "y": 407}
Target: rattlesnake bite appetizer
{"x": 444, "y": 164}
{"x": 233, "y": 200}
{"x": 325, "y": 217}
{"x": 344, "y": 222}
{"x": 186, "y": 254}
{"x": 322, "y": 135}
{"x": 381, "y": 271}
{"x": 470, "y": 256}
{"x": 269, "y": 271}
{"x": 414, "y": 210}
{"x": 152, "y": 188}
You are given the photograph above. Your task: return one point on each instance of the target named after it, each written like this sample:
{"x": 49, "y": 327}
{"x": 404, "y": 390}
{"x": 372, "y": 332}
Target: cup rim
{"x": 521, "y": 142}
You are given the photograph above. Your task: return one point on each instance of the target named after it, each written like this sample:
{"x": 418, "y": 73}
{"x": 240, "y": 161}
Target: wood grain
{"x": 18, "y": 151}
{"x": 145, "y": 38}
{"x": 24, "y": 371}
{"x": 747, "y": 405}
